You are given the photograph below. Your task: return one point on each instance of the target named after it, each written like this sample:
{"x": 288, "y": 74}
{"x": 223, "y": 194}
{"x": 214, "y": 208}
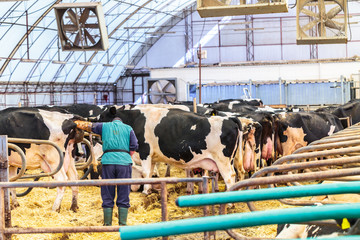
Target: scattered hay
{"x": 35, "y": 211}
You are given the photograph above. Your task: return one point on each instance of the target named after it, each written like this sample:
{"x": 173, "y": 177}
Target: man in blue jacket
{"x": 119, "y": 144}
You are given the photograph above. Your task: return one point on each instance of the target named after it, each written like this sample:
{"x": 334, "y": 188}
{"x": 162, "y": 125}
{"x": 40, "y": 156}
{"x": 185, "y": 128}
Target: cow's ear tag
{"x": 345, "y": 224}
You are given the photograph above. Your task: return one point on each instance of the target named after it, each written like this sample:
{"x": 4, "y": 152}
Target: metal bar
{"x": 295, "y": 177}
{"x": 97, "y": 182}
{"x": 268, "y": 194}
{"x": 91, "y": 158}
{"x": 2, "y": 214}
{"x": 5, "y": 210}
{"x": 240, "y": 220}
{"x": 23, "y": 161}
{"x": 164, "y": 198}
{"x": 35, "y": 141}
{"x": 309, "y": 155}
{"x": 62, "y": 229}
{"x": 306, "y": 165}
{"x": 327, "y": 146}
{"x": 206, "y": 208}
{"x": 330, "y": 140}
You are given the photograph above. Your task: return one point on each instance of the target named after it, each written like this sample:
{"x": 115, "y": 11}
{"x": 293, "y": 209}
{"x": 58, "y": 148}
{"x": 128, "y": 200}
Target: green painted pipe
{"x": 240, "y": 220}
{"x": 350, "y": 237}
{"x": 268, "y": 193}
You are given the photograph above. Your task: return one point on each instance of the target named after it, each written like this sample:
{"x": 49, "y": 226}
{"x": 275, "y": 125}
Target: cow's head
{"x": 108, "y": 115}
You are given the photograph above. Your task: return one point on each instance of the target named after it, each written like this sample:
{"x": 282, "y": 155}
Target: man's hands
{"x": 84, "y": 125}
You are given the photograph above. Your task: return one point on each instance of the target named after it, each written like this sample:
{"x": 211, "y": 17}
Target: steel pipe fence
{"x": 341, "y": 149}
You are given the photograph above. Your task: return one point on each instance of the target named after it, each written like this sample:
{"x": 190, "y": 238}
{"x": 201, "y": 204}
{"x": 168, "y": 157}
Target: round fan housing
{"x": 161, "y": 91}
{"x": 83, "y": 28}
{"x": 322, "y": 21}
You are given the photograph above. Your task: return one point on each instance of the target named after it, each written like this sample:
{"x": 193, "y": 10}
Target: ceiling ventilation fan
{"x": 161, "y": 91}
{"x": 321, "y": 21}
{"x": 81, "y": 26}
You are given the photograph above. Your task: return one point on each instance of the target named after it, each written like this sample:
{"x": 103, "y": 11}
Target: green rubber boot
{"x": 108, "y": 212}
{"x": 123, "y": 212}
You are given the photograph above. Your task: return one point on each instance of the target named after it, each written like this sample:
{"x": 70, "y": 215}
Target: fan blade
{"x": 309, "y": 25}
{"x": 333, "y": 12}
{"x": 158, "y": 85}
{"x": 77, "y": 39}
{"x": 168, "y": 84}
{"x": 322, "y": 30}
{"x": 70, "y": 28}
{"x": 92, "y": 25}
{"x": 88, "y": 36}
{"x": 84, "y": 16}
{"x": 73, "y": 17}
{"x": 331, "y": 24}
{"x": 309, "y": 13}
{"x": 340, "y": 24}
{"x": 322, "y": 12}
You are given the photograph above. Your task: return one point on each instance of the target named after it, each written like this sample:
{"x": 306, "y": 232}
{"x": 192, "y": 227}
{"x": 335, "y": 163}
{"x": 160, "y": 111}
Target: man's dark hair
{"x": 117, "y": 118}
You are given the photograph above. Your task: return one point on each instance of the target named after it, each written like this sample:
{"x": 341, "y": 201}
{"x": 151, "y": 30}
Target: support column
{"x": 188, "y": 39}
{"x": 249, "y": 38}
{"x": 5, "y": 211}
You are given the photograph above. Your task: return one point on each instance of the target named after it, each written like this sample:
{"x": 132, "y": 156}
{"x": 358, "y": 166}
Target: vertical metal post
{"x": 281, "y": 40}
{"x": 206, "y": 208}
{"x": 342, "y": 89}
{"x": 5, "y": 217}
{"x": 280, "y": 95}
{"x": 164, "y": 212}
{"x": 286, "y": 93}
{"x": 250, "y": 86}
{"x": 2, "y": 215}
{"x": 27, "y": 34}
{"x": 199, "y": 56}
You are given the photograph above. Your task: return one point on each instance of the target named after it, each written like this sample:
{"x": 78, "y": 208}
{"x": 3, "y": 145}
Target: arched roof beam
{"x": 109, "y": 35}
{"x": 11, "y": 55}
{"x": 166, "y": 27}
{"x": 128, "y": 39}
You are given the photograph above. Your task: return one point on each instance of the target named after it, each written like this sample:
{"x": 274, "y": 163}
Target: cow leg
{"x": 167, "y": 174}
{"x": 14, "y": 201}
{"x": 73, "y": 176}
{"x": 189, "y": 185}
{"x": 227, "y": 172}
{"x": 148, "y": 169}
{"x": 60, "y": 176}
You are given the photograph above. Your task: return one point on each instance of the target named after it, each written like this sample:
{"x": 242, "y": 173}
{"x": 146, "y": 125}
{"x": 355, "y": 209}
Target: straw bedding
{"x": 35, "y": 211}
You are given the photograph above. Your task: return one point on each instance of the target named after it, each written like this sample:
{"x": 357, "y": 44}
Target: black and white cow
{"x": 286, "y": 231}
{"x": 183, "y": 139}
{"x": 82, "y": 109}
{"x": 32, "y": 123}
{"x": 350, "y": 109}
{"x": 296, "y": 130}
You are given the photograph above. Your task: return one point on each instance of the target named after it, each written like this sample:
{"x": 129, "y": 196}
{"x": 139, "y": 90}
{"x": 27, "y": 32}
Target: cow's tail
{"x": 237, "y": 156}
{"x": 94, "y": 161}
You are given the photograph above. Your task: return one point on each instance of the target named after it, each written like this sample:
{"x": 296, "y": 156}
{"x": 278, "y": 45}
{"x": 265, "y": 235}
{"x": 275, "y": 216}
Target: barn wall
{"x": 275, "y": 94}
{"x": 321, "y": 93}
{"x": 224, "y": 39}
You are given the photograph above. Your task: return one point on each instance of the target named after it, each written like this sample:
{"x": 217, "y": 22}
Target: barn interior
{"x": 289, "y": 54}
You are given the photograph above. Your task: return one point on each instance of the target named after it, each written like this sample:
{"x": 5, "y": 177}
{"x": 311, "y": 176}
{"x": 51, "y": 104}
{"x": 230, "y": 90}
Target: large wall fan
{"x": 161, "y": 90}
{"x": 81, "y": 26}
{"x": 321, "y": 21}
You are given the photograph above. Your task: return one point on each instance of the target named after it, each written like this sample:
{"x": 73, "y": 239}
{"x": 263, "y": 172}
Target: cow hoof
{"x": 74, "y": 208}
{"x": 146, "y": 193}
{"x": 14, "y": 205}
{"x": 189, "y": 193}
